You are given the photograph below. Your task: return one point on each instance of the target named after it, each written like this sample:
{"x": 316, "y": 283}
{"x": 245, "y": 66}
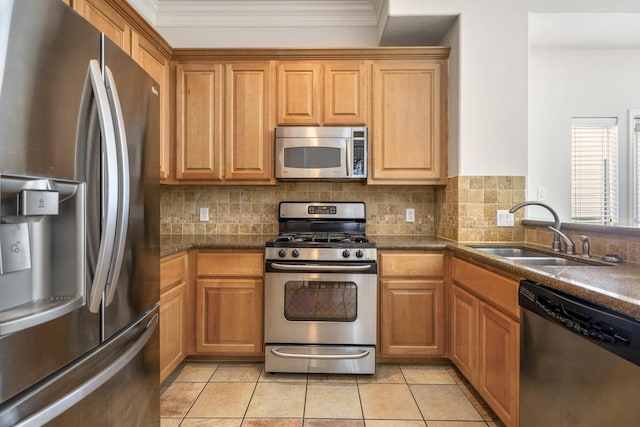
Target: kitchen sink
{"x": 511, "y": 252}
{"x": 533, "y": 257}
{"x": 548, "y": 260}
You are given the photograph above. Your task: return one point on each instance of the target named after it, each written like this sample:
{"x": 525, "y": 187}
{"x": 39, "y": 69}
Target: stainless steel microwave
{"x": 308, "y": 152}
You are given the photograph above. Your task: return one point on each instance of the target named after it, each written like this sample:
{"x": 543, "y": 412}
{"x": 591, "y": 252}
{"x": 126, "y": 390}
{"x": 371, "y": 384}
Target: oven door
{"x": 320, "y": 318}
{"x": 319, "y": 303}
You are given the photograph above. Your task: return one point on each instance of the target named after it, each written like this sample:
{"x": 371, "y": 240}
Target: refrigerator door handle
{"x": 124, "y": 183}
{"x": 56, "y": 408}
{"x": 107, "y": 238}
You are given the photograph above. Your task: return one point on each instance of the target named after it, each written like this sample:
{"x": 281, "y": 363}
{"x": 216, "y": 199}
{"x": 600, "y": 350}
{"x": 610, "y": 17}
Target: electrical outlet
{"x": 504, "y": 218}
{"x": 204, "y": 214}
{"x": 411, "y": 215}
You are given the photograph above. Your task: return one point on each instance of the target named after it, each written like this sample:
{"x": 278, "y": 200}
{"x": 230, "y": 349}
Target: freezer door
{"x": 133, "y": 283}
{"x": 115, "y": 385}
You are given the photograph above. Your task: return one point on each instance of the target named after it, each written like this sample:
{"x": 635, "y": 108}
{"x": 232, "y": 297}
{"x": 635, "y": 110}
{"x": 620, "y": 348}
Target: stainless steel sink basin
{"x": 510, "y": 252}
{"x": 533, "y": 257}
{"x": 547, "y": 260}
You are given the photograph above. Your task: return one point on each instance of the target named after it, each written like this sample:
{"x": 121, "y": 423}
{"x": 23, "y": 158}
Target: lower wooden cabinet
{"x": 173, "y": 309}
{"x": 412, "y": 304}
{"x": 485, "y": 335}
{"x": 229, "y": 299}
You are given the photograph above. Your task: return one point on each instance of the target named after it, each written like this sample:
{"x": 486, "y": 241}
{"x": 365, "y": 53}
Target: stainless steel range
{"x": 321, "y": 290}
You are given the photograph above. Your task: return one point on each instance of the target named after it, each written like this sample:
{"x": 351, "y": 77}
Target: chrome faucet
{"x": 556, "y": 246}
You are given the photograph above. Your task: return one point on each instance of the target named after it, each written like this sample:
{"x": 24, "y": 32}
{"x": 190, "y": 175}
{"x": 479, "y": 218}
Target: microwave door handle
{"x": 347, "y": 152}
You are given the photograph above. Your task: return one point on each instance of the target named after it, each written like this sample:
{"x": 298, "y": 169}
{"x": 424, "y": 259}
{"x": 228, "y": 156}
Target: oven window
{"x": 312, "y": 157}
{"x": 320, "y": 301}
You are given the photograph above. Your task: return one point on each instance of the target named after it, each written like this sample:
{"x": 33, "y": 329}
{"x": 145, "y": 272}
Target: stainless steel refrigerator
{"x": 79, "y": 224}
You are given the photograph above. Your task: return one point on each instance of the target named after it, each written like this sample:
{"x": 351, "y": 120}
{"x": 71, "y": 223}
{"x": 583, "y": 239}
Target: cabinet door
{"x": 157, "y": 66}
{"x": 172, "y": 329}
{"x": 106, "y": 19}
{"x": 345, "y": 94}
{"x": 248, "y": 135}
{"x": 229, "y": 316}
{"x": 298, "y": 94}
{"x": 499, "y": 359}
{"x": 464, "y": 325}
{"x": 408, "y": 131}
{"x": 412, "y": 318}
{"x": 199, "y": 122}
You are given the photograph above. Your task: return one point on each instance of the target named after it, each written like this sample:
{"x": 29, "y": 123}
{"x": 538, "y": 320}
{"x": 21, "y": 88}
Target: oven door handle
{"x": 276, "y": 351}
{"x": 320, "y": 267}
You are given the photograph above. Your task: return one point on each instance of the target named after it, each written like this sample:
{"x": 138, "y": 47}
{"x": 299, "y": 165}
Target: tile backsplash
{"x": 464, "y": 210}
{"x": 468, "y": 205}
{"x": 254, "y": 209}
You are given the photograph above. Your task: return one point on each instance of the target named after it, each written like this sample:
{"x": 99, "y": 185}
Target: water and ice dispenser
{"x": 42, "y": 255}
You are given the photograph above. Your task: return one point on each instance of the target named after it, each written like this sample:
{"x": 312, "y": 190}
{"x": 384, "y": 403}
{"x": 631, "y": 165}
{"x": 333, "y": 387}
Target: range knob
{"x": 282, "y": 253}
{"x": 359, "y": 253}
{"x": 295, "y": 253}
{"x": 346, "y": 254}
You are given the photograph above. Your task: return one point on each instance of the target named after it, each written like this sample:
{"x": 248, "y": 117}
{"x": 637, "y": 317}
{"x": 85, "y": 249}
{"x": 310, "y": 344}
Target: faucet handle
{"x": 570, "y": 246}
{"x": 586, "y": 246}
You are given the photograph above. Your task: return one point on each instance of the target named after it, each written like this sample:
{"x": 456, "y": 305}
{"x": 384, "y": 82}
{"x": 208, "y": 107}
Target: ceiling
{"x": 288, "y": 23}
{"x": 356, "y": 23}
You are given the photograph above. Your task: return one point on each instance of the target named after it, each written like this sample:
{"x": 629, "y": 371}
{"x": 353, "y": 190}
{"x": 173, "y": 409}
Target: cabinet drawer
{"x": 173, "y": 270}
{"x": 229, "y": 264}
{"x": 411, "y": 264}
{"x": 489, "y": 286}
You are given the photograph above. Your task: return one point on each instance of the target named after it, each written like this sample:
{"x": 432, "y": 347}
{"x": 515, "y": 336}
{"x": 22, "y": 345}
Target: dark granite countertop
{"x": 173, "y": 243}
{"x": 613, "y": 286}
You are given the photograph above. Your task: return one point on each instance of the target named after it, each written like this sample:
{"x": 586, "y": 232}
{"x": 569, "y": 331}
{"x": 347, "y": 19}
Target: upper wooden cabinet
{"x": 238, "y": 149}
{"x": 248, "y": 125}
{"x": 345, "y": 93}
{"x": 228, "y": 102}
{"x": 106, "y": 19}
{"x": 199, "y": 121}
{"x": 299, "y": 94}
{"x": 317, "y": 93}
{"x": 151, "y": 59}
{"x": 241, "y": 148}
{"x": 409, "y": 123}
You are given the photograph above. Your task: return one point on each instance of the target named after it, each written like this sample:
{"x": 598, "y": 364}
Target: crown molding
{"x": 262, "y": 13}
{"x": 148, "y": 9}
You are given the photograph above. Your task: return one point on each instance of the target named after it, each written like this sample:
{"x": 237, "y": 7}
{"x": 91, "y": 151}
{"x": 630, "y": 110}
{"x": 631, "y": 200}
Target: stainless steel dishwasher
{"x": 579, "y": 363}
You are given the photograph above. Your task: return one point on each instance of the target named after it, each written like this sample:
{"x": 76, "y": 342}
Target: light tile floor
{"x": 210, "y": 394}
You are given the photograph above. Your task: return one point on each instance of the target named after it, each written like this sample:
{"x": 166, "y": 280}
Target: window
{"x": 594, "y": 170}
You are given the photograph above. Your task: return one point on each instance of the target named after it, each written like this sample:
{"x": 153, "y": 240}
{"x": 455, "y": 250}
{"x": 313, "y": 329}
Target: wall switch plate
{"x": 411, "y": 215}
{"x": 204, "y": 214}
{"x": 504, "y": 218}
{"x": 542, "y": 193}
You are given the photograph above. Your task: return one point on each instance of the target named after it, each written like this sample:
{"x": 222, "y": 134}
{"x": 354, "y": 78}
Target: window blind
{"x": 594, "y": 170}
